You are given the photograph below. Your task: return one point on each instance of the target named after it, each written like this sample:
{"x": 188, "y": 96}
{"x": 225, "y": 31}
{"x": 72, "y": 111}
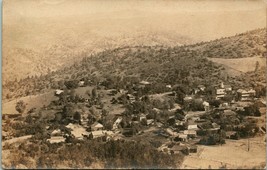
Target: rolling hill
{"x": 38, "y": 41}
{"x": 188, "y": 65}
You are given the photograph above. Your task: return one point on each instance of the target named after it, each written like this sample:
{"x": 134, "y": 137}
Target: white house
{"x": 206, "y": 105}
{"x": 97, "y": 126}
{"x": 144, "y": 82}
{"x": 192, "y": 127}
{"x": 116, "y": 123}
{"x": 56, "y": 132}
{"x": 81, "y": 83}
{"x": 222, "y": 90}
{"x": 246, "y": 95}
{"x": 58, "y": 92}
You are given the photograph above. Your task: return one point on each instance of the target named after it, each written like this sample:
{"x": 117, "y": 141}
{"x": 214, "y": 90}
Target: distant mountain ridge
{"x": 55, "y": 56}
{"x": 59, "y": 41}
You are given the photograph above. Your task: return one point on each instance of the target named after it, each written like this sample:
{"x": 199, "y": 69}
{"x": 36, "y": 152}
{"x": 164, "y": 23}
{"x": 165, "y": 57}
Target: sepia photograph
{"x": 136, "y": 84}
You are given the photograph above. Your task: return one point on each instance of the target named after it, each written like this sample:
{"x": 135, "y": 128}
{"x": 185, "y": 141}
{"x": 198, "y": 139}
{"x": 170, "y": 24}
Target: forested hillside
{"x": 184, "y": 65}
{"x": 249, "y": 44}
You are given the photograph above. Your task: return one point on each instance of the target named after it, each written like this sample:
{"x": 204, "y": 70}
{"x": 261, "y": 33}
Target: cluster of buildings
{"x": 242, "y": 94}
{"x": 183, "y": 129}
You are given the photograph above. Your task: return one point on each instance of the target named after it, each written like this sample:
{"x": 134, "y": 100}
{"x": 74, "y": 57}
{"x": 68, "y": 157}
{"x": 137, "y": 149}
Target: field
{"x": 234, "y": 154}
{"x": 32, "y": 101}
{"x": 240, "y": 64}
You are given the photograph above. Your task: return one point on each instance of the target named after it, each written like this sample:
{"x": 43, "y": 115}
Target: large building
{"x": 246, "y": 95}
{"x": 222, "y": 90}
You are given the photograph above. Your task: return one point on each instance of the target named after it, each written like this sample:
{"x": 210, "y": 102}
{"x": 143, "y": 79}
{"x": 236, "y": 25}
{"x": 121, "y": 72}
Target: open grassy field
{"x": 240, "y": 64}
{"x": 32, "y": 101}
{"x": 234, "y": 155}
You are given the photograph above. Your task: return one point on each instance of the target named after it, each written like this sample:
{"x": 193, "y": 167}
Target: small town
{"x": 172, "y": 124}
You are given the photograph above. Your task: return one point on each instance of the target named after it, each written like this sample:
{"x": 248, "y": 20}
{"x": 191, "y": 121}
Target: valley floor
{"x": 234, "y": 155}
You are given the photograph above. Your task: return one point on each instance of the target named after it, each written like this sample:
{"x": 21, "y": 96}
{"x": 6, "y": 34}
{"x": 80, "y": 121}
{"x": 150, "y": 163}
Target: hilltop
{"x": 248, "y": 44}
{"x": 188, "y": 65}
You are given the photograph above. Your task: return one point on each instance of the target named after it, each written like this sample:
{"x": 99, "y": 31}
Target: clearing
{"x": 32, "y": 101}
{"x": 234, "y": 154}
{"x": 240, "y": 65}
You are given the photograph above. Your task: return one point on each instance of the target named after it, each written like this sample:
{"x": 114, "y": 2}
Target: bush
{"x": 20, "y": 106}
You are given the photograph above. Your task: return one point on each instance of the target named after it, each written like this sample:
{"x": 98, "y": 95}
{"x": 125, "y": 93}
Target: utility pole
{"x": 248, "y": 144}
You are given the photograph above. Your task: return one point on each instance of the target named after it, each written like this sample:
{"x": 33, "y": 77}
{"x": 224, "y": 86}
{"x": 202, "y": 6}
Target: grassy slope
{"x": 36, "y": 101}
{"x": 240, "y": 65}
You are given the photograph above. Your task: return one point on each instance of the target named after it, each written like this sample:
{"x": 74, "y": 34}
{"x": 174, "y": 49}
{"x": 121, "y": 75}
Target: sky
{"x": 202, "y": 19}
{"x": 40, "y": 8}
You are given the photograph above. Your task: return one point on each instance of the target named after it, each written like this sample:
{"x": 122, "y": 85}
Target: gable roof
{"x": 97, "y": 125}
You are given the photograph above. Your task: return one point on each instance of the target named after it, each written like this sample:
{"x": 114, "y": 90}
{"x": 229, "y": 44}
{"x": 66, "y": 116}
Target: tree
{"x": 71, "y": 84}
{"x": 77, "y": 116}
{"x": 257, "y": 66}
{"x": 68, "y": 111}
{"x": 20, "y": 106}
{"x": 94, "y": 93}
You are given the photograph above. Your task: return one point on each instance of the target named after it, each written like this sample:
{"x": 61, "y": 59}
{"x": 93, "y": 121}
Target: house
{"x": 144, "y": 82}
{"x": 206, "y": 105}
{"x": 56, "y": 132}
{"x": 122, "y": 91}
{"x": 222, "y": 90}
{"x": 224, "y": 105}
{"x": 195, "y": 90}
{"x": 150, "y": 121}
{"x": 175, "y": 108}
{"x": 77, "y": 131}
{"x": 81, "y": 83}
{"x": 176, "y": 149}
{"x": 97, "y": 126}
{"x": 101, "y": 133}
{"x": 168, "y": 86}
{"x": 56, "y": 139}
{"x": 179, "y": 123}
{"x": 188, "y": 98}
{"x": 131, "y": 98}
{"x": 128, "y": 132}
{"x": 171, "y": 132}
{"x": 246, "y": 95}
{"x": 220, "y": 93}
{"x": 143, "y": 119}
{"x": 181, "y": 137}
{"x": 58, "y": 92}
{"x": 201, "y": 87}
{"x": 142, "y": 116}
{"x": 117, "y": 123}
{"x": 192, "y": 127}
{"x": 190, "y": 133}
{"x": 228, "y": 88}
{"x": 192, "y": 149}
{"x": 97, "y": 134}
{"x": 56, "y": 136}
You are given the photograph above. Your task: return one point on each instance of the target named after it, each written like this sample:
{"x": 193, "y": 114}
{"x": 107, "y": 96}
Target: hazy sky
{"x": 72, "y": 7}
{"x": 202, "y": 19}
